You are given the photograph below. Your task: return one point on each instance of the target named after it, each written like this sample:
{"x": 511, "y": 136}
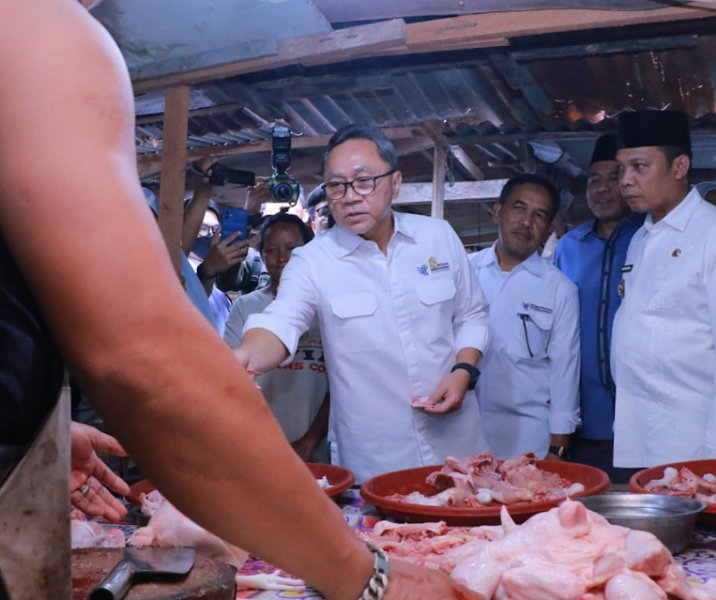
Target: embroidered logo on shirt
{"x": 676, "y": 253}
{"x": 621, "y": 289}
{"x": 433, "y": 266}
{"x": 536, "y": 307}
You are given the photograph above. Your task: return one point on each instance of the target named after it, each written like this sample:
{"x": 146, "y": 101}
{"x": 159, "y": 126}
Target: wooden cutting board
{"x": 208, "y": 579}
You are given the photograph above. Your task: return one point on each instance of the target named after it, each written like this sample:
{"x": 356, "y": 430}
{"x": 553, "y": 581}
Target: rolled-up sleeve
{"x": 294, "y": 309}
{"x": 563, "y": 351}
{"x": 470, "y": 320}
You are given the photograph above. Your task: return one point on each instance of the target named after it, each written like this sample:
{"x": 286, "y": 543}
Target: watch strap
{"x": 472, "y": 370}
{"x": 559, "y": 451}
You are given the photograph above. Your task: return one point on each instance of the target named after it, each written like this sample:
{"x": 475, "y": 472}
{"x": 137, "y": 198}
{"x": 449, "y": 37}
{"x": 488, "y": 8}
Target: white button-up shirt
{"x": 663, "y": 346}
{"x": 391, "y": 325}
{"x": 529, "y": 386}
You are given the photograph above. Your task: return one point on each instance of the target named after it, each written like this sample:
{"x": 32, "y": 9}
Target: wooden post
{"x": 439, "y": 157}
{"x": 171, "y": 193}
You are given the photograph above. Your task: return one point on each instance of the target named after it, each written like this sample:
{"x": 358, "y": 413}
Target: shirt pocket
{"x": 436, "y": 305}
{"x": 531, "y": 336}
{"x": 357, "y": 322}
{"x": 678, "y": 294}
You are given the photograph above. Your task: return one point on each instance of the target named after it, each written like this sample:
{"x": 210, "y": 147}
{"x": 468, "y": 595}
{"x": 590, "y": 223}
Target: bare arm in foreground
{"x": 74, "y": 216}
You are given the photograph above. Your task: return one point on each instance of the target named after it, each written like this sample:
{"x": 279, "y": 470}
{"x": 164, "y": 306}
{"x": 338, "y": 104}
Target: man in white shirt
{"x": 528, "y": 391}
{"x": 403, "y": 319}
{"x": 663, "y": 345}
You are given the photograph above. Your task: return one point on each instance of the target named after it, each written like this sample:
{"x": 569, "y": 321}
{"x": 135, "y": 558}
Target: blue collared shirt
{"x": 594, "y": 264}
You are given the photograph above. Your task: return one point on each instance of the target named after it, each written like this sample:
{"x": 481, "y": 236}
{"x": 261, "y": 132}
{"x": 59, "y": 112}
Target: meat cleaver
{"x": 143, "y": 563}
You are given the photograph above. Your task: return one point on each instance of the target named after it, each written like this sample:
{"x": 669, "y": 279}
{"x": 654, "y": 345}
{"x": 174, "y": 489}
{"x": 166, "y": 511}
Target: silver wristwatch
{"x": 378, "y": 582}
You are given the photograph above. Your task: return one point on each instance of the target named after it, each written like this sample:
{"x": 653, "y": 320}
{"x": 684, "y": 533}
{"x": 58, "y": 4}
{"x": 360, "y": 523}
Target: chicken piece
{"x": 645, "y": 553}
{"x": 606, "y": 567}
{"x": 510, "y": 495}
{"x": 670, "y": 477}
{"x": 674, "y": 582}
{"x": 168, "y": 528}
{"x": 443, "y": 481}
{"x": 480, "y": 574}
{"x": 450, "y": 497}
{"x": 528, "y": 458}
{"x": 420, "y": 402}
{"x": 412, "y": 530}
{"x": 701, "y": 484}
{"x": 632, "y": 585}
{"x": 538, "y": 581}
{"x": 88, "y": 534}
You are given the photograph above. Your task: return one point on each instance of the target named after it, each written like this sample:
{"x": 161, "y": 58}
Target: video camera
{"x": 220, "y": 175}
{"x": 284, "y": 187}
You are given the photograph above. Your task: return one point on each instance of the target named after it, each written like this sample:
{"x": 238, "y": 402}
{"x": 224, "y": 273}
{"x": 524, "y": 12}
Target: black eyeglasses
{"x": 363, "y": 186}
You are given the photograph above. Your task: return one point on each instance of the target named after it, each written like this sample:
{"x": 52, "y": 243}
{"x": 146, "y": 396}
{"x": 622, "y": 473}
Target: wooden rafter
{"x": 395, "y": 37}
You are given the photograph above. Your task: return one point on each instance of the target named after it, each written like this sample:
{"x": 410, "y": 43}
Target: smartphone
{"x": 232, "y": 220}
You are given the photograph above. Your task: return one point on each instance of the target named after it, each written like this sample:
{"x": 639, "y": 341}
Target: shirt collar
{"x": 347, "y": 241}
{"x": 679, "y": 216}
{"x": 632, "y": 221}
{"x": 533, "y": 263}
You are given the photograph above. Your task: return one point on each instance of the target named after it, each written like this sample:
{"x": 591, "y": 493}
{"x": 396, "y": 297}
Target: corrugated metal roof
{"x": 564, "y": 88}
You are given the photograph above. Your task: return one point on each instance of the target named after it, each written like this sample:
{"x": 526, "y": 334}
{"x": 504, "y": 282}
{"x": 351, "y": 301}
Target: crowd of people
{"x": 380, "y": 345}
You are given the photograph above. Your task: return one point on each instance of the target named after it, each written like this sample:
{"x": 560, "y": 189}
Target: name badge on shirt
{"x": 621, "y": 287}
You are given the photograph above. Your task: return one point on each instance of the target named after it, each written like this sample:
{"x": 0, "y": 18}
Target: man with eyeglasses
{"x": 403, "y": 318}
{"x": 528, "y": 391}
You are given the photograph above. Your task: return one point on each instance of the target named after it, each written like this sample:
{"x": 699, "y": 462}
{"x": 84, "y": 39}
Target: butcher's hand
{"x": 225, "y": 254}
{"x": 448, "y": 396}
{"x": 89, "y": 475}
{"x": 408, "y": 582}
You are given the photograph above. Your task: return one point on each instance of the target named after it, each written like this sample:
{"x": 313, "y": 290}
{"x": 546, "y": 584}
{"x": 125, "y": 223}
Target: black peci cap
{"x": 653, "y": 128}
{"x": 605, "y": 148}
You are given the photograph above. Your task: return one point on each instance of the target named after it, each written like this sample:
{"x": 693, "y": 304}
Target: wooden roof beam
{"x": 395, "y": 37}
{"x": 324, "y": 48}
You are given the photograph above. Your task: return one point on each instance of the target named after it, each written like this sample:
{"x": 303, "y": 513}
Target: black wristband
{"x": 202, "y": 274}
{"x": 474, "y": 373}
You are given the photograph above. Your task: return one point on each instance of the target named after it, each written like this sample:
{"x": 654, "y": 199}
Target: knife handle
{"x": 116, "y": 585}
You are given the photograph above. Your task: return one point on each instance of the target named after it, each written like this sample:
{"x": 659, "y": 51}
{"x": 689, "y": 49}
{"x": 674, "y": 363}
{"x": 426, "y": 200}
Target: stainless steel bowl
{"x": 670, "y": 518}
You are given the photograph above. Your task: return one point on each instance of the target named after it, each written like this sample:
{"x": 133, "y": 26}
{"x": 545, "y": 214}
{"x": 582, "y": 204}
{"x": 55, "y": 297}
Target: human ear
{"x": 680, "y": 166}
{"x": 496, "y": 208}
{"x": 397, "y": 179}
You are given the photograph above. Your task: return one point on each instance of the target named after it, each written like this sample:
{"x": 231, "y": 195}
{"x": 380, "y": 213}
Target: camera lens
{"x": 282, "y": 192}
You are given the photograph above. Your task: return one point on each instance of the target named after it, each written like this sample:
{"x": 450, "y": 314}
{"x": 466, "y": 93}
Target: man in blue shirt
{"x": 592, "y": 255}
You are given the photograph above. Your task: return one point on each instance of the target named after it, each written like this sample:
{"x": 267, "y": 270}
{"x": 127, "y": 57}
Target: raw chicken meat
{"x": 430, "y": 544}
{"x": 479, "y": 480}
{"x": 88, "y": 534}
{"x": 567, "y": 553}
{"x": 169, "y": 528}
{"x": 684, "y": 482}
